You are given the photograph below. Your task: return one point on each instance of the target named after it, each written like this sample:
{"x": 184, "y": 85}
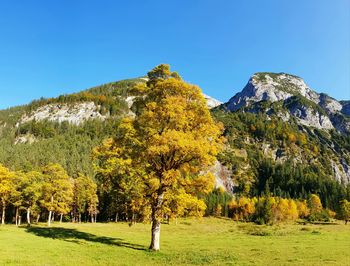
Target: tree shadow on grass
{"x": 75, "y": 236}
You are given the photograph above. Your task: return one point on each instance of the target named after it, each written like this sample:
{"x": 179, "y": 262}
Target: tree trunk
{"x": 116, "y": 217}
{"x": 28, "y": 216}
{"x": 155, "y": 235}
{"x": 156, "y": 210}
{"x": 3, "y": 214}
{"x": 61, "y": 217}
{"x": 16, "y": 218}
{"x": 80, "y": 218}
{"x": 38, "y": 218}
{"x": 49, "y": 219}
{"x": 133, "y": 218}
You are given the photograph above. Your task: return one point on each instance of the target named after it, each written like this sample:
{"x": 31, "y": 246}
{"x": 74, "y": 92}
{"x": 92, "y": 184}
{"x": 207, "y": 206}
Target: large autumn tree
{"x": 57, "y": 190}
{"x": 165, "y": 148}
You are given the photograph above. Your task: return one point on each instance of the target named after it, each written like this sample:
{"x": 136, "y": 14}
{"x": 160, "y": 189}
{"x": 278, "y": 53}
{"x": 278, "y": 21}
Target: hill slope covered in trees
{"x": 279, "y": 131}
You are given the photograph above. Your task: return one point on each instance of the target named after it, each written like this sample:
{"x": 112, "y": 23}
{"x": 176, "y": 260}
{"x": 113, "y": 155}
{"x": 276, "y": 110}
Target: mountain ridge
{"x": 276, "y": 117}
{"x": 311, "y": 108}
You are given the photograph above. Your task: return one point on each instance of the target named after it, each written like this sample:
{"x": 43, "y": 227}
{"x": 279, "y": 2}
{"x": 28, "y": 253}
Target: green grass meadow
{"x": 207, "y": 241}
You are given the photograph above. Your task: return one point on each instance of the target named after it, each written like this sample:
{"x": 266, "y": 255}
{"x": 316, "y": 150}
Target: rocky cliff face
{"x": 341, "y": 171}
{"x": 78, "y": 113}
{"x": 346, "y": 107}
{"x": 72, "y": 113}
{"x": 309, "y": 117}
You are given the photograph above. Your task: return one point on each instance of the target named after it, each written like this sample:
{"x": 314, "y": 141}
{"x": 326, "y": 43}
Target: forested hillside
{"x": 280, "y": 134}
{"x": 28, "y": 143}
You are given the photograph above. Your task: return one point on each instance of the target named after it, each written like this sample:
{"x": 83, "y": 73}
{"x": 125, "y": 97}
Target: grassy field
{"x": 201, "y": 242}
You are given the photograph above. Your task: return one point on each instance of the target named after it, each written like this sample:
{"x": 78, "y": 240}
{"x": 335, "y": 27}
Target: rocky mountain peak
{"x": 308, "y": 107}
{"x": 271, "y": 87}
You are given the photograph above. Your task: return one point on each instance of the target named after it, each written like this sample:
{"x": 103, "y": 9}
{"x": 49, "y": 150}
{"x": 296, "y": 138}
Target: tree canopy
{"x": 164, "y": 148}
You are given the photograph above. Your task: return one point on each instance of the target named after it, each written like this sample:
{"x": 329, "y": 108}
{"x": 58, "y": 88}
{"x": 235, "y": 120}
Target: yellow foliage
{"x": 293, "y": 210}
{"x": 303, "y": 210}
{"x": 7, "y": 185}
{"x": 331, "y": 213}
{"x": 243, "y": 208}
{"x": 163, "y": 151}
{"x": 314, "y": 204}
{"x": 292, "y": 138}
{"x": 218, "y": 211}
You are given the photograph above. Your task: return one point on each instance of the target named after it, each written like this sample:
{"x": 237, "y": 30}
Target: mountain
{"x": 294, "y": 138}
{"x": 279, "y": 132}
{"x": 299, "y": 101}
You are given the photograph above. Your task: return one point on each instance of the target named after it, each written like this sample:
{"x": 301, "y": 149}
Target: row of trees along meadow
{"x": 45, "y": 194}
{"x": 268, "y": 209}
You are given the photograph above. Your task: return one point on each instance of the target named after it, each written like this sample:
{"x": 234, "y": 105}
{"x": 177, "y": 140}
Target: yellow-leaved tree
{"x": 7, "y": 189}
{"x": 57, "y": 190}
{"x": 164, "y": 149}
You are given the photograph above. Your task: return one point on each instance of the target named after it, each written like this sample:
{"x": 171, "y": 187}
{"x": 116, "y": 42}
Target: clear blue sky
{"x": 49, "y": 48}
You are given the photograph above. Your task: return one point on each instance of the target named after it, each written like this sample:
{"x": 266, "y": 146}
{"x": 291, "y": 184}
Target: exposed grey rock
{"x": 346, "y": 107}
{"x": 341, "y": 123}
{"x": 341, "y": 172}
{"x": 329, "y": 104}
{"x": 256, "y": 91}
{"x": 285, "y": 116}
{"x": 130, "y": 100}
{"x": 28, "y": 138}
{"x": 222, "y": 176}
{"x": 297, "y": 85}
{"x": 72, "y": 113}
{"x": 211, "y": 102}
{"x": 309, "y": 117}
